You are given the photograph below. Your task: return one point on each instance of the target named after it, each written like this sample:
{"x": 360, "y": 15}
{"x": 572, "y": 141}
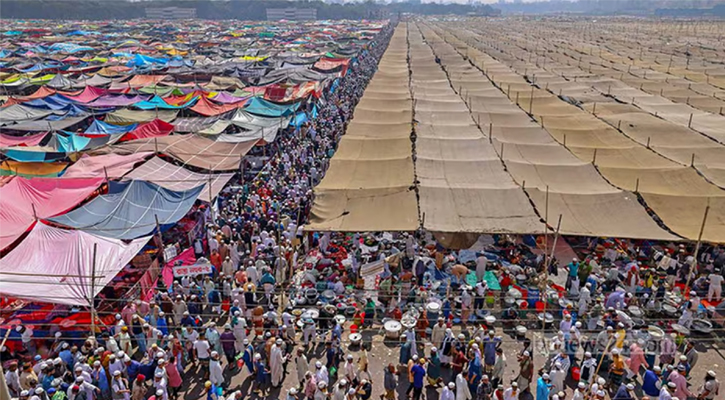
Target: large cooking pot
{"x": 392, "y": 329}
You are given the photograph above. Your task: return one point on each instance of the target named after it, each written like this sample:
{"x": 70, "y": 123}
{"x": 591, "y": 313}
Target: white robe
{"x": 216, "y": 374}
{"x": 447, "y": 394}
{"x": 557, "y": 380}
{"x": 302, "y": 367}
{"x": 462, "y": 391}
{"x": 276, "y": 364}
{"x": 321, "y": 375}
{"x": 439, "y": 332}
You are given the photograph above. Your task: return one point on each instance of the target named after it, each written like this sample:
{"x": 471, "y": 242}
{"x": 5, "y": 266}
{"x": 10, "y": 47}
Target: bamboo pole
{"x": 697, "y": 246}
{"x": 93, "y": 290}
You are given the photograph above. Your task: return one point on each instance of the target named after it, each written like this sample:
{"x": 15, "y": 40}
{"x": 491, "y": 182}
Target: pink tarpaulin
{"x": 151, "y": 129}
{"x": 114, "y": 165}
{"x": 57, "y": 266}
{"x": 186, "y": 257}
{"x": 89, "y": 94}
{"x": 30, "y": 140}
{"x": 21, "y": 200}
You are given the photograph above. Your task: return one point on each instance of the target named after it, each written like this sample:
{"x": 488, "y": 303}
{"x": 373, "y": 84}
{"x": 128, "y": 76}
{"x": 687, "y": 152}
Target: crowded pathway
{"x": 289, "y": 314}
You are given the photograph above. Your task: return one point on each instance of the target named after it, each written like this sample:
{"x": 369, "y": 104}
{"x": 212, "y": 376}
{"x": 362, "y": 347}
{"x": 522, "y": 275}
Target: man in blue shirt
{"x": 650, "y": 381}
{"x": 573, "y": 268}
{"x": 418, "y": 376}
{"x": 624, "y": 392}
{"x": 133, "y": 368}
{"x": 542, "y": 387}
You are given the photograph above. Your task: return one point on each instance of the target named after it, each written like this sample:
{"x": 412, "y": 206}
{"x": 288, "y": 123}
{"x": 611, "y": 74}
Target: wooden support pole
{"x": 699, "y": 241}
{"x": 92, "y": 296}
{"x": 531, "y": 101}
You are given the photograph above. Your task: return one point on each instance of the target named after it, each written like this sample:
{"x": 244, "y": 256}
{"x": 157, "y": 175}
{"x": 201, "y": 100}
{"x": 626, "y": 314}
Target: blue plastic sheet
{"x": 266, "y": 108}
{"x": 132, "y": 212}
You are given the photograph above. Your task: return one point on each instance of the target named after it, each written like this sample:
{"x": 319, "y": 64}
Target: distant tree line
{"x": 235, "y": 9}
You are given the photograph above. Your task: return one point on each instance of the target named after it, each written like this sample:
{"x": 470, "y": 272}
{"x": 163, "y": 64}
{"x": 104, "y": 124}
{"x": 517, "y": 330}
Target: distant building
{"x": 170, "y": 13}
{"x": 293, "y": 14}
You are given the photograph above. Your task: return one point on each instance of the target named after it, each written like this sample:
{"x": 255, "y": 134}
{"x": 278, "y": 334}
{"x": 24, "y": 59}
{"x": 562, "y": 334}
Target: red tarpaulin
{"x": 330, "y": 64}
{"x": 151, "y": 129}
{"x": 207, "y": 108}
{"x": 23, "y": 200}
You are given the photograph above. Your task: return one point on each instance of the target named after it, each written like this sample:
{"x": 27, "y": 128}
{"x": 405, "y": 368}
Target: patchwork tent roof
{"x": 130, "y": 210}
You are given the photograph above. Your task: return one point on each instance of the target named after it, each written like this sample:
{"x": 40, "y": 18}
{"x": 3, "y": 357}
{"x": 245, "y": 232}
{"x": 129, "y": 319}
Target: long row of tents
{"x": 114, "y": 131}
{"x": 487, "y": 156}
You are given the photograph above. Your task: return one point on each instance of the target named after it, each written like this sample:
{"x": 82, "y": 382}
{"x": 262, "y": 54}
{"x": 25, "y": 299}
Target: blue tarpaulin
{"x": 131, "y": 212}
{"x": 157, "y": 102}
{"x": 266, "y": 108}
{"x": 103, "y": 128}
{"x": 299, "y": 119}
{"x": 139, "y": 60}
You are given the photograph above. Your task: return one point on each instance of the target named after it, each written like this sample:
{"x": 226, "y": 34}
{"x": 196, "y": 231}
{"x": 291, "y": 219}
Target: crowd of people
{"x": 616, "y": 328}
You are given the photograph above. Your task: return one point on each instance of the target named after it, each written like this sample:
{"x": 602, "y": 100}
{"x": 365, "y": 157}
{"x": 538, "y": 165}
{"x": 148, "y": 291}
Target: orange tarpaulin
{"x": 207, "y": 108}
{"x": 32, "y": 169}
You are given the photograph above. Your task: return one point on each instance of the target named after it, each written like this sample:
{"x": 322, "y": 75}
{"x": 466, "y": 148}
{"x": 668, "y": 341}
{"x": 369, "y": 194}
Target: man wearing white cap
{"x": 216, "y": 373}
{"x": 625, "y": 392}
{"x": 291, "y": 394}
{"x": 710, "y": 388}
{"x": 511, "y": 393}
{"x": 160, "y": 384}
{"x": 120, "y": 389}
{"x": 585, "y": 297}
{"x": 678, "y": 378}
{"x": 447, "y": 392}
{"x": 557, "y": 374}
{"x": 666, "y": 391}
{"x": 463, "y": 392}
{"x": 276, "y": 362}
{"x": 321, "y": 374}
{"x": 714, "y": 291}
{"x": 438, "y": 333}
{"x": 579, "y": 391}
{"x": 339, "y": 391}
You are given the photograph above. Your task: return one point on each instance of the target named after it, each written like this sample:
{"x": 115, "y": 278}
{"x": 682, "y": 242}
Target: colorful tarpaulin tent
{"x": 266, "y": 108}
{"x": 110, "y": 165}
{"x": 178, "y": 178}
{"x": 60, "y": 266}
{"x": 130, "y": 210}
{"x": 23, "y": 200}
{"x": 192, "y": 150}
{"x": 155, "y": 128}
